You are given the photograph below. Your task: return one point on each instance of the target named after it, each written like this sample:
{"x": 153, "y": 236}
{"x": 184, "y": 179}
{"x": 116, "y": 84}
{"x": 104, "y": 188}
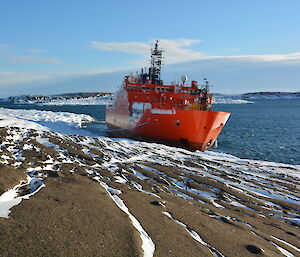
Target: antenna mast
{"x": 156, "y": 63}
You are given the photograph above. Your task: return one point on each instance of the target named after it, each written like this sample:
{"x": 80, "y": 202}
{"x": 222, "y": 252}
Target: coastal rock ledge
{"x": 68, "y": 195}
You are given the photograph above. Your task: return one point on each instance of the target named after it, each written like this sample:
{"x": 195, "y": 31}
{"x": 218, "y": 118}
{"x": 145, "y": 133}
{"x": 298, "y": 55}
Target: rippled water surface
{"x": 265, "y": 130}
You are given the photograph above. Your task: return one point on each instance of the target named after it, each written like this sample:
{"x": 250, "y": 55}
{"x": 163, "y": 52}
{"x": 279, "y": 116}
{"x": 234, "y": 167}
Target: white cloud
{"x": 176, "y": 51}
{"x": 106, "y": 70}
{"x": 289, "y": 58}
{"x": 242, "y": 69}
{"x": 11, "y": 78}
{"x": 3, "y": 46}
{"x": 28, "y": 59}
{"x": 228, "y": 75}
{"x": 8, "y": 78}
{"x": 128, "y": 47}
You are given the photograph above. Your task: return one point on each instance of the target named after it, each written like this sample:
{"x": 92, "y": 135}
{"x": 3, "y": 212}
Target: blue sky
{"x": 242, "y": 45}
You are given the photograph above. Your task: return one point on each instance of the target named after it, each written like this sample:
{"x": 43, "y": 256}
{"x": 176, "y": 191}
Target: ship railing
{"x": 163, "y": 89}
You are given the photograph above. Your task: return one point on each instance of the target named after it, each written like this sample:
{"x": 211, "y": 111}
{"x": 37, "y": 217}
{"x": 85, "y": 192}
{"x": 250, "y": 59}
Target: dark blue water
{"x": 266, "y": 130}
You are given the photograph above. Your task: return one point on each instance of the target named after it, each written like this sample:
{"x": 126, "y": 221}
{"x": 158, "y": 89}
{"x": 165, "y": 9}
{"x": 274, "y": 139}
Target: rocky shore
{"x": 69, "y": 195}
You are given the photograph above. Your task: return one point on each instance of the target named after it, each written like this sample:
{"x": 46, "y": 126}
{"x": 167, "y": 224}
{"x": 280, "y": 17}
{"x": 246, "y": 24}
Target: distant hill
{"x": 32, "y": 99}
{"x": 271, "y": 95}
{"x": 85, "y": 96}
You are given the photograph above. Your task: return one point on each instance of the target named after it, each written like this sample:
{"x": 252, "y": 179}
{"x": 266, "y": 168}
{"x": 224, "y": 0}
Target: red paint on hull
{"x": 194, "y": 129}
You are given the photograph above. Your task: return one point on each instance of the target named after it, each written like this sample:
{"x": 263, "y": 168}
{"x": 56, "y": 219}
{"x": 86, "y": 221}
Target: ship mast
{"x": 206, "y": 86}
{"x": 156, "y": 62}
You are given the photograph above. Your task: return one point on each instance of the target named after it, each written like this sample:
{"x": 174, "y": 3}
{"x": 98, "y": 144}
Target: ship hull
{"x": 192, "y": 129}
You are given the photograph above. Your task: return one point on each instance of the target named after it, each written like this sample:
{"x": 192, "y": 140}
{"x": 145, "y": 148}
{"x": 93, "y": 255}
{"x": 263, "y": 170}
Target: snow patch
{"x": 10, "y": 198}
{"x": 147, "y": 243}
{"x": 195, "y": 236}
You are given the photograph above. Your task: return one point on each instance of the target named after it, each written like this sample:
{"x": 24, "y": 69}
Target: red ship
{"x": 146, "y": 108}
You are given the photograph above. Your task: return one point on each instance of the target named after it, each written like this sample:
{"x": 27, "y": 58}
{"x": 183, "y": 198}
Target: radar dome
{"x": 183, "y": 78}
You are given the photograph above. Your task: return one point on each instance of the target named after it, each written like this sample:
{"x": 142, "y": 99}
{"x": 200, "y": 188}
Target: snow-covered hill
{"x": 64, "y": 99}
{"x": 247, "y": 97}
{"x": 229, "y": 99}
{"x": 106, "y": 98}
{"x": 271, "y": 95}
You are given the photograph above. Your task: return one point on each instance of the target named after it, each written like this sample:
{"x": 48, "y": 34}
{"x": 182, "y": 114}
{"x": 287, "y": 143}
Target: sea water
{"x": 264, "y": 130}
